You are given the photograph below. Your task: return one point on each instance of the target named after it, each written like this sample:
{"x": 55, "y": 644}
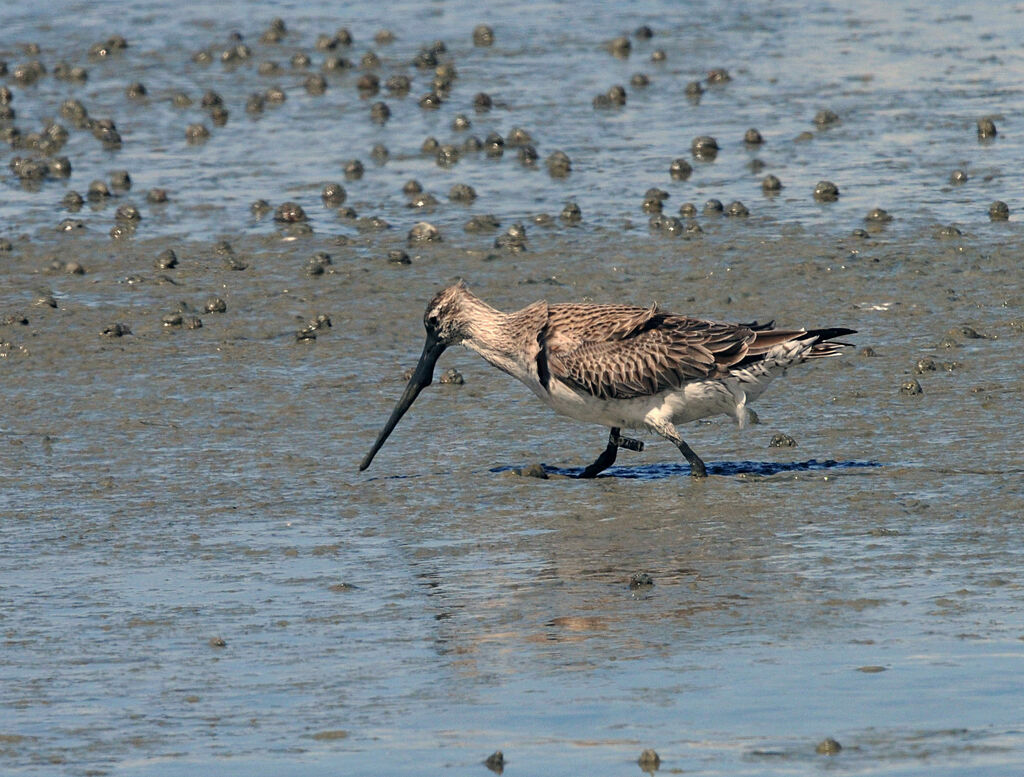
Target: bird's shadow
{"x": 726, "y": 468}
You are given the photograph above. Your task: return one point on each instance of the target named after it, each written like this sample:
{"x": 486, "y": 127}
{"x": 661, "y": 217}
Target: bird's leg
{"x": 606, "y": 459}
{"x": 629, "y": 443}
{"x": 697, "y": 468}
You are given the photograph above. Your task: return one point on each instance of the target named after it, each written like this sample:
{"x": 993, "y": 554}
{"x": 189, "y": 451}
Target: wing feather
{"x": 616, "y": 352}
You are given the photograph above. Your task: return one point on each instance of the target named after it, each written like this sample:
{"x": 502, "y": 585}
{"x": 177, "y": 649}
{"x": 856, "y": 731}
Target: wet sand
{"x": 195, "y": 574}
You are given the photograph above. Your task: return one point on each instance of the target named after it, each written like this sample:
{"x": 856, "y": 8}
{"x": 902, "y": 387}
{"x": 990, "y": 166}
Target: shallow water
{"x": 195, "y": 577}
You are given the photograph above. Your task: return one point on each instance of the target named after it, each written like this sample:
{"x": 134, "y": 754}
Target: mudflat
{"x": 197, "y": 350}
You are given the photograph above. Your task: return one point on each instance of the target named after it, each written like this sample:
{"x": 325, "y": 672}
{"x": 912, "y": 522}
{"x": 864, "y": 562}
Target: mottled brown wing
{"x": 664, "y": 353}
{"x": 576, "y": 323}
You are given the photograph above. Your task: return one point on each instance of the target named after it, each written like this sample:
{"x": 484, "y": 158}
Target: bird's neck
{"x": 503, "y": 339}
{"x": 489, "y": 336}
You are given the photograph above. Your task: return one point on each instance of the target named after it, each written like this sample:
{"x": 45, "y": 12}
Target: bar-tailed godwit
{"x": 616, "y": 365}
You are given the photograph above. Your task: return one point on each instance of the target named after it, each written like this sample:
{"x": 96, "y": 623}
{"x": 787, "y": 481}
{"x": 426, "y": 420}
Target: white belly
{"x": 695, "y": 400}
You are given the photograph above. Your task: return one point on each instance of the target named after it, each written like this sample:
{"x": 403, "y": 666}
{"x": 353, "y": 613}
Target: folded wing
{"x": 659, "y": 351}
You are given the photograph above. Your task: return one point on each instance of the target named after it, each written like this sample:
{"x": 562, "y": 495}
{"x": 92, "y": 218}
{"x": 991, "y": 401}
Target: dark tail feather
{"x": 757, "y": 326}
{"x": 824, "y": 345}
{"x": 829, "y": 333}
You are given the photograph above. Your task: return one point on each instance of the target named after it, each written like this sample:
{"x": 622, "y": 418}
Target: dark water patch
{"x": 725, "y": 468}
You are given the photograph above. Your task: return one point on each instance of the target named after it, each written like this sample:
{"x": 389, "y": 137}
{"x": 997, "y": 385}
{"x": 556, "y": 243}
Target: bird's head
{"x": 444, "y": 318}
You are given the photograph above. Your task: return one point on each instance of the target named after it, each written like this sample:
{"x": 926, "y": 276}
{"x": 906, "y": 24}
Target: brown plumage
{"x": 617, "y": 365}
{"x": 622, "y": 352}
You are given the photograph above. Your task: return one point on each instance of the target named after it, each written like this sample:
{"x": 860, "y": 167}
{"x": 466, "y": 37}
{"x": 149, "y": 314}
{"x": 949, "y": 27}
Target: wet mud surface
{"x": 195, "y": 576}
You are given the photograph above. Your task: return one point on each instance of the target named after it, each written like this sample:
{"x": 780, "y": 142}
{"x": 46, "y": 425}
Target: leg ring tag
{"x": 629, "y": 443}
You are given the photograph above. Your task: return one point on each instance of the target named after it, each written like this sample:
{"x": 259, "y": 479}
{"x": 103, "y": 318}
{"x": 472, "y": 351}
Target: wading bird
{"x": 616, "y": 365}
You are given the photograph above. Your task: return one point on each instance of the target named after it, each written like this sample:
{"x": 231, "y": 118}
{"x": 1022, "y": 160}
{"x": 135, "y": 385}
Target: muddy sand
{"x": 194, "y": 574}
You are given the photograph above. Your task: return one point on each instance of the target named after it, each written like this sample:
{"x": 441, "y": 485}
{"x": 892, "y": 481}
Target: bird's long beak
{"x": 421, "y": 378}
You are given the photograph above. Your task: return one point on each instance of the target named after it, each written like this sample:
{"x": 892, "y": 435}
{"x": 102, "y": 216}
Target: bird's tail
{"x": 823, "y": 344}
